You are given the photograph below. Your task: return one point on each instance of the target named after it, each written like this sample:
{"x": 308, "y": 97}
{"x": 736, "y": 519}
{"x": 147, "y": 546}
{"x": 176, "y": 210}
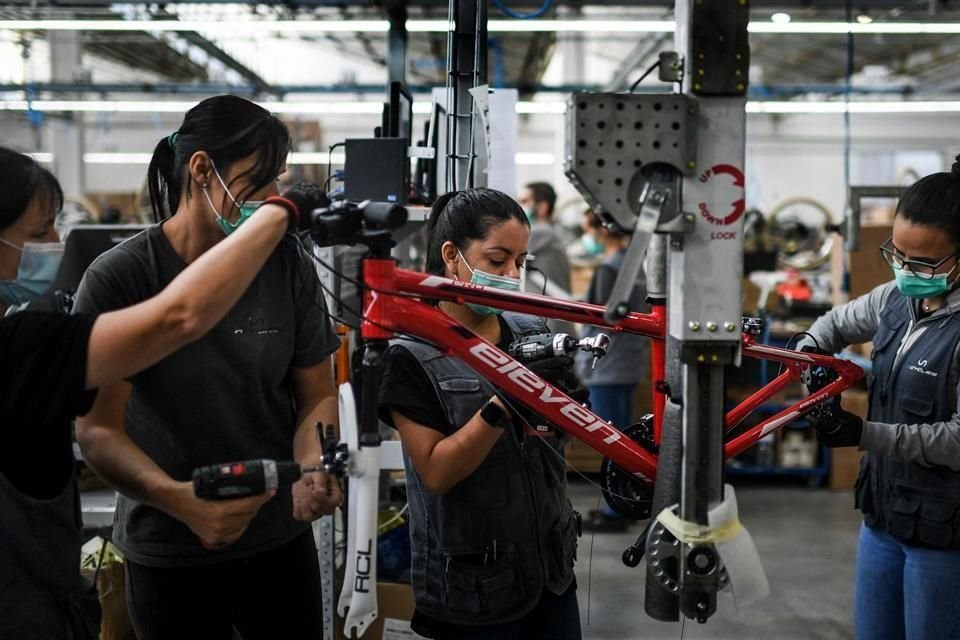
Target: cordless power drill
{"x": 241, "y": 479}
{"x": 549, "y": 345}
{"x": 254, "y": 477}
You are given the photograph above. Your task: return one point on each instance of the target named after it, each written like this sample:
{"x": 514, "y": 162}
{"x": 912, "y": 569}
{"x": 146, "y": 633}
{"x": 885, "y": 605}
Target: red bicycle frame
{"x": 390, "y": 307}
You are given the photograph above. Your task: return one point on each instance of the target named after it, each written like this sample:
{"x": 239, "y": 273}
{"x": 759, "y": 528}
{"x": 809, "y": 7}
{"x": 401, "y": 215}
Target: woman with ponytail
{"x": 908, "y": 558}
{"x": 493, "y": 535}
{"x": 256, "y": 386}
{"x": 54, "y": 364}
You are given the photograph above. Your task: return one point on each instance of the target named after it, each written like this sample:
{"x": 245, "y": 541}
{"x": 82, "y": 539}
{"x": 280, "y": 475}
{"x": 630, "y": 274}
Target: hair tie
{"x": 172, "y": 139}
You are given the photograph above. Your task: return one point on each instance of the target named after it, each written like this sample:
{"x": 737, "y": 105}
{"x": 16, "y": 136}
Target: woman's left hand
{"x": 315, "y": 495}
{"x": 836, "y": 427}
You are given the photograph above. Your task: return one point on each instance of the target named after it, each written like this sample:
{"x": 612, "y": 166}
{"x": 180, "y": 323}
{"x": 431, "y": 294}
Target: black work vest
{"x": 483, "y": 552}
{"x": 42, "y": 594}
{"x": 914, "y": 503}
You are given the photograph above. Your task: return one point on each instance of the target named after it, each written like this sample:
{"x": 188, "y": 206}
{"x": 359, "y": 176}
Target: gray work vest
{"x": 42, "y": 595}
{"x": 483, "y": 552}
{"x": 914, "y": 503}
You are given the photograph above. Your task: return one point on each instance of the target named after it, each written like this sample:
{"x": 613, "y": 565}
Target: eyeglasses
{"x": 924, "y": 270}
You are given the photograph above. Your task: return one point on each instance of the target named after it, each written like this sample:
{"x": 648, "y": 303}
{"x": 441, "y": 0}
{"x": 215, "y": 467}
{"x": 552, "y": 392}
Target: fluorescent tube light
{"x": 789, "y": 107}
{"x": 117, "y": 158}
{"x": 538, "y": 159}
{"x": 527, "y": 107}
{"x": 889, "y": 28}
{"x": 246, "y": 27}
{"x": 177, "y": 106}
{"x": 207, "y": 26}
{"x": 320, "y": 157}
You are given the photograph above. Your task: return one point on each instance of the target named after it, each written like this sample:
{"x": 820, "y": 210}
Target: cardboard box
{"x": 582, "y": 458}
{"x": 394, "y": 612}
{"x": 867, "y": 267}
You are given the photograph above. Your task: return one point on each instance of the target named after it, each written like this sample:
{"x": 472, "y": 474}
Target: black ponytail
{"x": 229, "y": 129}
{"x": 934, "y": 201}
{"x": 463, "y": 216}
{"x": 163, "y": 181}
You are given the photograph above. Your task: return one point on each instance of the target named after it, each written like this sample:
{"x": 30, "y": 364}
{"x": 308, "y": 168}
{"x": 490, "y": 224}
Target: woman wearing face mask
{"x": 254, "y": 387}
{"x": 492, "y": 533}
{"x": 52, "y": 366}
{"x": 31, "y": 252}
{"x": 908, "y": 558}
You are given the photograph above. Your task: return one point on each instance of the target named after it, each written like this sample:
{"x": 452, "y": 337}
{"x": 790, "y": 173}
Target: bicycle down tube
{"x": 389, "y": 307}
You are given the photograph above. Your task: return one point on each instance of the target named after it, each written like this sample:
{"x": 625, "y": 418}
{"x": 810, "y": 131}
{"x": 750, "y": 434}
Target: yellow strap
{"x": 693, "y": 533}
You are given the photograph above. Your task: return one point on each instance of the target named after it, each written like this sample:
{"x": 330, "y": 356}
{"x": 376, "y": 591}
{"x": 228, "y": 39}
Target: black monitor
{"x": 83, "y": 244}
{"x": 426, "y": 173}
{"x": 400, "y": 112}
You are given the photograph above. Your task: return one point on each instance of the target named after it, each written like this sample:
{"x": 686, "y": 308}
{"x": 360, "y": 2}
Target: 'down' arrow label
{"x": 728, "y": 217}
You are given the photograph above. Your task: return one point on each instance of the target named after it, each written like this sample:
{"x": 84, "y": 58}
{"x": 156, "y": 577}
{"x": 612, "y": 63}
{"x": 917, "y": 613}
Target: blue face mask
{"x": 489, "y": 280}
{"x": 246, "y": 208}
{"x": 913, "y": 286}
{"x": 39, "y": 263}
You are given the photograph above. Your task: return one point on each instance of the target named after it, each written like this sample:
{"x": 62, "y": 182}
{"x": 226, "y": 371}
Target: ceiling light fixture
{"x": 908, "y": 106}
{"x": 296, "y": 157}
{"x": 286, "y": 108}
{"x": 206, "y": 26}
{"x": 179, "y": 107}
{"x": 245, "y": 27}
{"x": 524, "y": 108}
{"x": 780, "y": 18}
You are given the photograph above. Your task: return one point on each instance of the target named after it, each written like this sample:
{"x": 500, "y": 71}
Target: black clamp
{"x": 335, "y": 453}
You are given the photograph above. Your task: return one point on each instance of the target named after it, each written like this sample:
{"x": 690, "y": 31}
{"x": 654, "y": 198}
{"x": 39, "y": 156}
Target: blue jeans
{"x": 613, "y": 402}
{"x": 905, "y": 592}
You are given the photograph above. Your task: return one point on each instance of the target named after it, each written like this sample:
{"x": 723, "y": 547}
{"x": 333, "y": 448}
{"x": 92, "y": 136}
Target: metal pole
{"x": 466, "y": 68}
{"x": 397, "y": 41}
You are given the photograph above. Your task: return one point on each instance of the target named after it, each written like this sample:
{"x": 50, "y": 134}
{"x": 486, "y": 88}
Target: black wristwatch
{"x": 494, "y": 415}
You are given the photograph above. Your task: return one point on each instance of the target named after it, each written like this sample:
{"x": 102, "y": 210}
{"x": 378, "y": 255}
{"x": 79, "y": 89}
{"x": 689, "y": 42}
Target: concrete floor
{"x": 807, "y": 542}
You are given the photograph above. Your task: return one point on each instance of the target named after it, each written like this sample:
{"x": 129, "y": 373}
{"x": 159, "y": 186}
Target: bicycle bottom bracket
{"x": 629, "y": 497}
{"x": 702, "y": 561}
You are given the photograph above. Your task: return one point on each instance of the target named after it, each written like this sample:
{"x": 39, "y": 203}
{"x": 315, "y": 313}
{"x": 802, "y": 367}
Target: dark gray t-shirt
{"x": 228, "y": 396}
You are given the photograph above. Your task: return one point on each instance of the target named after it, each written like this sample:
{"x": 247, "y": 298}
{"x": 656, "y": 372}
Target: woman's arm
{"x": 117, "y": 459}
{"x": 851, "y": 323}
{"x": 129, "y": 340}
{"x": 932, "y": 444}
{"x": 443, "y": 461}
{"x": 316, "y": 494}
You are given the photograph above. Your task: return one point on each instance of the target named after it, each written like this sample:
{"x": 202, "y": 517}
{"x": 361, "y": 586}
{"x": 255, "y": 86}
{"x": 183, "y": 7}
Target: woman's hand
{"x": 218, "y": 523}
{"x": 315, "y": 495}
{"x": 834, "y": 426}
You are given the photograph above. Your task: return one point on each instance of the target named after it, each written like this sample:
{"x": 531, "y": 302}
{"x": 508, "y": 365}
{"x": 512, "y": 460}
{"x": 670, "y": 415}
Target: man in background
{"x": 548, "y": 254}
{"x": 546, "y": 246}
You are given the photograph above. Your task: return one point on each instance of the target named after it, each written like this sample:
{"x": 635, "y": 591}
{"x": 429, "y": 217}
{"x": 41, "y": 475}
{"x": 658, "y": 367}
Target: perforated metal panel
{"x": 612, "y": 136}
